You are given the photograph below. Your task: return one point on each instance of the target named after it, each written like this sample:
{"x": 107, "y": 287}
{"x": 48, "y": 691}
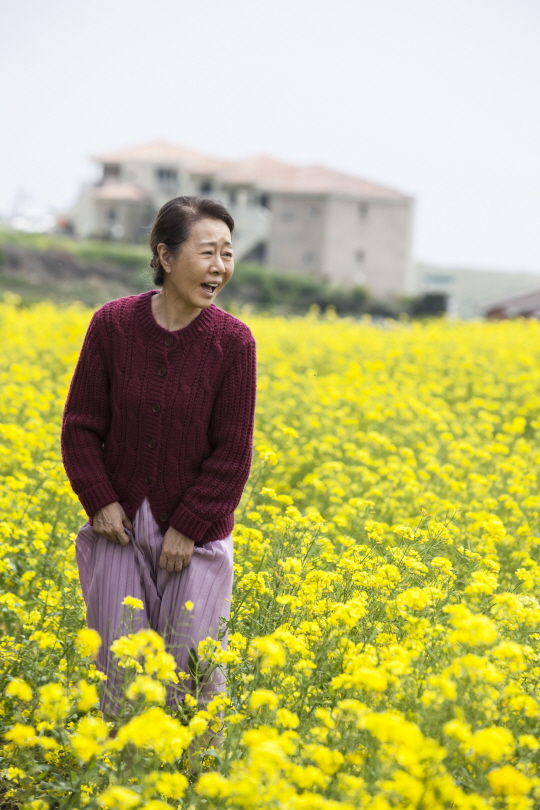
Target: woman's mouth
{"x": 209, "y": 289}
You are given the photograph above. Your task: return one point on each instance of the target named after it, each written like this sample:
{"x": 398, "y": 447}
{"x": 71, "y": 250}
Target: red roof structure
{"x": 523, "y": 305}
{"x": 120, "y": 191}
{"x": 260, "y": 170}
{"x": 165, "y": 152}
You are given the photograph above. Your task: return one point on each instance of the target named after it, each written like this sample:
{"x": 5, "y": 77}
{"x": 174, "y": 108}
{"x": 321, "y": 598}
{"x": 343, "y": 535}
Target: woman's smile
{"x": 209, "y": 288}
{"x": 194, "y": 274}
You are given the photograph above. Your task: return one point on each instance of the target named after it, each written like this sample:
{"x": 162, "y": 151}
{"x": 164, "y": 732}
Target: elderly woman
{"x": 157, "y": 444}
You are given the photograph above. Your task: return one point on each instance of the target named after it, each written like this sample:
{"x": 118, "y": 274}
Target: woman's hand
{"x": 110, "y": 521}
{"x": 176, "y": 551}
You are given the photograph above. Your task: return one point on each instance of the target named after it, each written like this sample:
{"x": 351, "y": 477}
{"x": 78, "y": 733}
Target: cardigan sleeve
{"x": 86, "y": 422}
{"x": 217, "y": 490}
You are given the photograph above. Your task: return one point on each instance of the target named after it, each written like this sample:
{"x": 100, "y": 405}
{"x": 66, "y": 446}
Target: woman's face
{"x": 203, "y": 265}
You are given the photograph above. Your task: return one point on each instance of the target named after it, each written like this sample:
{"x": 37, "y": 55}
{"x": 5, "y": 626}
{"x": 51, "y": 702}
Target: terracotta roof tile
{"x": 322, "y": 179}
{"x": 275, "y": 175}
{"x": 120, "y": 191}
{"x": 262, "y": 171}
{"x": 165, "y": 152}
{"x": 259, "y": 169}
{"x": 514, "y": 305}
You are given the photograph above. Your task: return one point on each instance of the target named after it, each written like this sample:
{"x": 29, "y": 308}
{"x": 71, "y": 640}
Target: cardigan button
{"x": 168, "y": 341}
{"x": 163, "y": 516}
{"x": 156, "y": 407}
{"x": 152, "y": 443}
{"x": 162, "y": 371}
{"x": 147, "y": 479}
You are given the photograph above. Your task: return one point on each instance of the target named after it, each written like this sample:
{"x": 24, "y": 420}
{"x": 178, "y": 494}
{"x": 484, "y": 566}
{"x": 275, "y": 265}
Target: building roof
{"x": 165, "y": 152}
{"x": 263, "y": 171}
{"x": 322, "y": 179}
{"x": 276, "y": 175}
{"x": 527, "y": 303}
{"x": 120, "y": 191}
{"x": 259, "y": 169}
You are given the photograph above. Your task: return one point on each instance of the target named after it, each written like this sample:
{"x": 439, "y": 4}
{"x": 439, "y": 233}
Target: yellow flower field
{"x": 384, "y": 637}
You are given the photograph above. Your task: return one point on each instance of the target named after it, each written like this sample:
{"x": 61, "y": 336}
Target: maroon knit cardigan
{"x": 163, "y": 415}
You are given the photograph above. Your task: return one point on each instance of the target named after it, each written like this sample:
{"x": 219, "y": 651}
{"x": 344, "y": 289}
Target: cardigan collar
{"x": 198, "y": 326}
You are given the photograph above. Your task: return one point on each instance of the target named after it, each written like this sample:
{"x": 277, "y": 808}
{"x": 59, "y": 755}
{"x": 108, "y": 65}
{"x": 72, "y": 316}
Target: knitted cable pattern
{"x": 164, "y": 415}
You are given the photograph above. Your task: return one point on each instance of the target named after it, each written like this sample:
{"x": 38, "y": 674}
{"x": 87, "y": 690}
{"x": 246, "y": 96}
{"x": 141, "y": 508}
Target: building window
{"x": 115, "y": 229}
{"x": 314, "y": 211}
{"x": 167, "y": 175}
{"x": 363, "y": 210}
{"x": 359, "y": 271}
{"x": 440, "y": 280}
{"x": 167, "y": 179}
{"x": 233, "y": 196}
{"x": 309, "y": 258}
{"x": 111, "y": 171}
{"x": 264, "y": 201}
{"x": 205, "y": 187}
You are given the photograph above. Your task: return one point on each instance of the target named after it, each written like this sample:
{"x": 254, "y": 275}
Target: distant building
{"x": 526, "y": 305}
{"x": 304, "y": 219}
{"x": 470, "y": 293}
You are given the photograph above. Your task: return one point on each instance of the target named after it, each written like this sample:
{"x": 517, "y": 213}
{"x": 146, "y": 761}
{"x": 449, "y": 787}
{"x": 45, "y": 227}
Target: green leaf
{"x": 194, "y": 666}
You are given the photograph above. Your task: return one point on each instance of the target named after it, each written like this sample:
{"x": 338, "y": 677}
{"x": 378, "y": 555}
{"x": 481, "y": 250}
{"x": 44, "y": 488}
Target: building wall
{"x": 91, "y": 216}
{"x": 389, "y": 264}
{"x": 296, "y": 233}
{"x": 344, "y": 240}
{"x": 345, "y": 251}
{"x": 144, "y": 175}
{"x": 122, "y": 220}
{"x": 84, "y": 213}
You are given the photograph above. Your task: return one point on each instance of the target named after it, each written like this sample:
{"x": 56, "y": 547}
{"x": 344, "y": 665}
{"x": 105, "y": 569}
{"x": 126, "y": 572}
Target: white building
{"x": 304, "y": 219}
{"x": 470, "y": 293}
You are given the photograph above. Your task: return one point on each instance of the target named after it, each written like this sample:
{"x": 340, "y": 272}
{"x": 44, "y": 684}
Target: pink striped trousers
{"x": 109, "y": 572}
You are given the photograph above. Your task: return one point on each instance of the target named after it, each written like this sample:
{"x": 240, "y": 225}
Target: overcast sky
{"x": 438, "y": 98}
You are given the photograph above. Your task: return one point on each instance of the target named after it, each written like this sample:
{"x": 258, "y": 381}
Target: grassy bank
{"x": 43, "y": 266}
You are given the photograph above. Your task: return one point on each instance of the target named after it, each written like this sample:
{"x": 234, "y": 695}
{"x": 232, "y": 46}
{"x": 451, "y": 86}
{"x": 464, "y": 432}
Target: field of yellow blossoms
{"x": 384, "y": 639}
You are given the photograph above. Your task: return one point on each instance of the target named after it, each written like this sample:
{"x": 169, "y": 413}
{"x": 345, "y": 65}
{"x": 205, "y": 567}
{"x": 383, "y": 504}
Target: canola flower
{"x": 385, "y": 625}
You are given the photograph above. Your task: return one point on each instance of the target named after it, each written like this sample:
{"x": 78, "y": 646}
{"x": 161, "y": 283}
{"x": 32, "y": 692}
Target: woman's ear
{"x": 164, "y": 257}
